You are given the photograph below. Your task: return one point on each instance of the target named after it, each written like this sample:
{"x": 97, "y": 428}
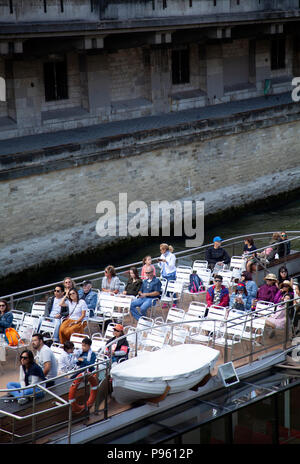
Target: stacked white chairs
{"x": 227, "y": 276}
{"x": 237, "y": 266}
{"x": 196, "y": 311}
{"x": 264, "y": 308}
{"x": 121, "y": 307}
{"x": 172, "y": 292}
{"x": 183, "y": 274}
{"x": 232, "y": 331}
{"x": 143, "y": 323}
{"x": 38, "y": 308}
{"x": 254, "y": 328}
{"x": 211, "y": 324}
{"x": 48, "y": 326}
{"x": 178, "y": 335}
{"x": 199, "y": 264}
{"x": 132, "y": 338}
{"x": 175, "y": 315}
{"x": 98, "y": 342}
{"x": 31, "y": 320}
{"x": 155, "y": 339}
{"x": 18, "y": 317}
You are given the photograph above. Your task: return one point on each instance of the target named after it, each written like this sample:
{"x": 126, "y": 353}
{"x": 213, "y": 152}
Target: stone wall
{"x": 50, "y": 216}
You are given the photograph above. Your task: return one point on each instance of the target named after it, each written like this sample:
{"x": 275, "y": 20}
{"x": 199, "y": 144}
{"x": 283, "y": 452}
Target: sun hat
{"x": 286, "y": 283}
{"x": 270, "y": 277}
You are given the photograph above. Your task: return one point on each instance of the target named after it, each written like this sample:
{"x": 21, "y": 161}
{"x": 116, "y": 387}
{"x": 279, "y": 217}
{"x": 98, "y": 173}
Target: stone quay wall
{"x": 49, "y": 198}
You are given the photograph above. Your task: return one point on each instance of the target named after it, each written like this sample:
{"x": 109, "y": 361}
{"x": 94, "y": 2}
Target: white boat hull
{"x": 149, "y": 374}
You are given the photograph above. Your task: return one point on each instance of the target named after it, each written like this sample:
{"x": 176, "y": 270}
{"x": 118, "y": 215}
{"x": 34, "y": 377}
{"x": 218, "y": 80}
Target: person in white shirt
{"x": 44, "y": 357}
{"x": 68, "y": 359}
{"x": 167, "y": 262}
{"x": 76, "y": 320}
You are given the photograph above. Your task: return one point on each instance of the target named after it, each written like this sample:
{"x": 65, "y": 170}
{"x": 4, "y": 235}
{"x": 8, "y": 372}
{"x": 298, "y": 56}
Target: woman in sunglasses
{"x": 6, "y": 317}
{"x": 30, "y": 374}
{"x": 75, "y": 322}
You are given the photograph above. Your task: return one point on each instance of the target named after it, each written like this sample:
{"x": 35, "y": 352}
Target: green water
{"x": 275, "y": 218}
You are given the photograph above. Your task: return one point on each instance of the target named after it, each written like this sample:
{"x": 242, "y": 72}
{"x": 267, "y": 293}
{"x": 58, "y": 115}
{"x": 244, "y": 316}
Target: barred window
{"x": 180, "y": 66}
{"x": 56, "y": 80}
{"x": 278, "y": 53}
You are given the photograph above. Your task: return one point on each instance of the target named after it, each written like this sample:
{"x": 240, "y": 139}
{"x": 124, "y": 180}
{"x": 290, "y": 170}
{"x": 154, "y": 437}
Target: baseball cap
{"x": 86, "y": 282}
{"x": 217, "y": 239}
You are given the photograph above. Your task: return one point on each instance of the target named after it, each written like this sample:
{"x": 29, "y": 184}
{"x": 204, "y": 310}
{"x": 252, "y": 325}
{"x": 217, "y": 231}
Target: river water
{"x": 274, "y": 218}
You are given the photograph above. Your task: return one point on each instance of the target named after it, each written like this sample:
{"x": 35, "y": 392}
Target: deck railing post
{"x": 33, "y": 416}
{"x": 226, "y": 345}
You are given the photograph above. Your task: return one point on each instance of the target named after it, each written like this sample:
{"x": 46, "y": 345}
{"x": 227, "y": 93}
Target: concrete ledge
{"x": 53, "y": 116}
{"x": 50, "y": 158}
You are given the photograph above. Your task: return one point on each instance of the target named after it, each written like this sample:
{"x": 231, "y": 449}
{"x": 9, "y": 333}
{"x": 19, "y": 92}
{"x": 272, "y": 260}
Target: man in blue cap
{"x": 216, "y": 254}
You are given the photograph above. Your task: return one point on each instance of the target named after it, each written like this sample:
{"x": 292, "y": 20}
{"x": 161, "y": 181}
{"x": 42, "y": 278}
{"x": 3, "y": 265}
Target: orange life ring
{"x": 77, "y": 408}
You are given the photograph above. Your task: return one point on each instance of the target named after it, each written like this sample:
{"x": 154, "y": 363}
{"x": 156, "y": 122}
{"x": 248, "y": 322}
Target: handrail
{"x": 231, "y": 241}
{"x": 100, "y": 364}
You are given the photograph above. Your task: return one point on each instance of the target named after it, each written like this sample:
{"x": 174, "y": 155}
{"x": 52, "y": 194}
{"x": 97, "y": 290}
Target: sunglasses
{"x": 218, "y": 280}
{"x": 57, "y": 291}
{"x": 24, "y": 357}
{"x": 2, "y": 305}
{"x": 116, "y": 330}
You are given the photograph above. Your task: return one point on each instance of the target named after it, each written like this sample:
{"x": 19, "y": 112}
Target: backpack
{"x": 12, "y": 336}
{"x": 196, "y": 284}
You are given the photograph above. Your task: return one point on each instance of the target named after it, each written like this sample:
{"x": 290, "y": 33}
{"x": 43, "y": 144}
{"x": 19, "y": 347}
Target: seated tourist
{"x": 89, "y": 296}
{"x": 285, "y": 288}
{"x": 251, "y": 288}
{"x": 217, "y": 294}
{"x": 134, "y": 283}
{"x": 6, "y": 317}
{"x": 75, "y": 322}
{"x": 119, "y": 351}
{"x": 147, "y": 261}
{"x": 68, "y": 283}
{"x": 86, "y": 357}
{"x": 277, "y": 247}
{"x": 150, "y": 290}
{"x": 30, "y": 374}
{"x": 44, "y": 357}
{"x": 248, "y": 252}
{"x": 53, "y": 309}
{"x": 296, "y": 309}
{"x": 68, "y": 359}
{"x": 278, "y": 319}
{"x": 283, "y": 275}
{"x": 216, "y": 255}
{"x": 239, "y": 298}
{"x": 267, "y": 291}
{"x": 110, "y": 282}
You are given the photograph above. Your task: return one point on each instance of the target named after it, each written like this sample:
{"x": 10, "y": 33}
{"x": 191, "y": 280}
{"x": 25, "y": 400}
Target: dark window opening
{"x": 278, "y": 53}
{"x": 55, "y": 80}
{"x": 180, "y": 66}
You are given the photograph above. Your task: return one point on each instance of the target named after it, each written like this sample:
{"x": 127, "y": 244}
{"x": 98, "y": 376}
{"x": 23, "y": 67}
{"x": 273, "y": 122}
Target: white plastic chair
{"x": 31, "y": 320}
{"x": 205, "y": 275}
{"x": 183, "y": 274}
{"x": 198, "y": 265}
{"x": 237, "y": 266}
{"x": 77, "y": 338}
{"x": 48, "y": 325}
{"x": 264, "y": 308}
{"x": 173, "y": 288}
{"x": 38, "y": 308}
{"x": 175, "y": 315}
{"x": 18, "y": 317}
{"x": 57, "y": 349}
{"x": 195, "y": 311}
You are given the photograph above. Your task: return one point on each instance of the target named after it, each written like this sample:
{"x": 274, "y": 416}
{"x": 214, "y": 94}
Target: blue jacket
{"x": 85, "y": 361}
{"x": 238, "y": 306}
{"x": 6, "y": 321}
{"x": 90, "y": 298}
{"x": 251, "y": 288}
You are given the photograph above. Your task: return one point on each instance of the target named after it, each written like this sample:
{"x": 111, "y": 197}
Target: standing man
{"x": 150, "y": 290}
{"x": 44, "y": 357}
{"x": 54, "y": 310}
{"x": 89, "y": 296}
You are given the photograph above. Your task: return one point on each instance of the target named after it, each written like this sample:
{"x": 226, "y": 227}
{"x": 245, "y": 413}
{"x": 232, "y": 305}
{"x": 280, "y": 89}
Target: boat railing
{"x": 100, "y": 368}
{"x": 24, "y": 299}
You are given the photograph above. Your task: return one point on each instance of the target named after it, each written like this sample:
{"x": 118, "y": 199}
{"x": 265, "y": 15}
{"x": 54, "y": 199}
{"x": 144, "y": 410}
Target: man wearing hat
{"x": 119, "y": 350}
{"x": 216, "y": 254}
{"x": 268, "y": 290}
{"x": 89, "y": 296}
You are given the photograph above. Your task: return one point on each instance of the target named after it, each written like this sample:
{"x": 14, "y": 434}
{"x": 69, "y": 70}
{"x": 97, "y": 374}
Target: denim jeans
{"x": 144, "y": 304}
{"x": 27, "y": 391}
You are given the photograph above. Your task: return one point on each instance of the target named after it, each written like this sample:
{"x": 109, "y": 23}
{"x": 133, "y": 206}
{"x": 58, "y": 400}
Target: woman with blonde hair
{"x": 167, "y": 262}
